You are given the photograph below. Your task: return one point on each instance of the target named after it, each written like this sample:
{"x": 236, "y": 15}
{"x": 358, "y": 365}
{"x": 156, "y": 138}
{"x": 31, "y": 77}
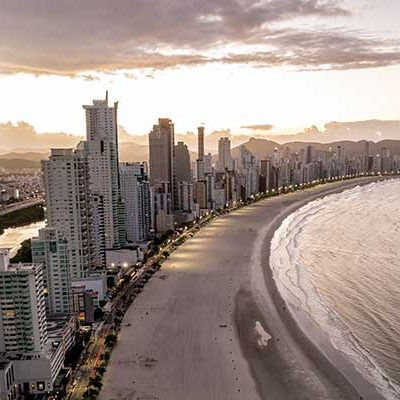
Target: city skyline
{"x": 199, "y": 199}
{"x": 109, "y": 225}
{"x": 274, "y": 69}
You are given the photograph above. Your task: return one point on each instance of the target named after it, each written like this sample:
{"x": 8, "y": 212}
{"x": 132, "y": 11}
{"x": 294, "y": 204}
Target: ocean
{"x": 338, "y": 258}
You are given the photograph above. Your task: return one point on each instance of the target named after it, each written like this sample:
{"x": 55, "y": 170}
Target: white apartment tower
{"x": 136, "y": 195}
{"x": 23, "y": 326}
{"x": 102, "y": 145}
{"x": 69, "y": 207}
{"x": 51, "y": 250}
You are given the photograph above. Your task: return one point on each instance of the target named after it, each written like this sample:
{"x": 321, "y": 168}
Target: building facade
{"x": 102, "y": 146}
{"x": 51, "y": 251}
{"x": 136, "y": 195}
{"x": 23, "y": 328}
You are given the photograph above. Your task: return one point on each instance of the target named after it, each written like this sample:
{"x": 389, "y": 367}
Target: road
{"x": 19, "y": 206}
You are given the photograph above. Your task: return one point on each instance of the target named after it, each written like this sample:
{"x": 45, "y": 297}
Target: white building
{"x": 68, "y": 206}
{"x": 23, "y": 327}
{"x": 135, "y": 190}
{"x": 248, "y": 174}
{"x": 50, "y": 250}
{"x": 124, "y": 257}
{"x": 94, "y": 283}
{"x": 102, "y": 145}
{"x": 35, "y": 349}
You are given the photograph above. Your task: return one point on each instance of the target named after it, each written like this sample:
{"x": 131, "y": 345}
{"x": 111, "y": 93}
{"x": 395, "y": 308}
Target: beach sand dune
{"x": 211, "y": 324}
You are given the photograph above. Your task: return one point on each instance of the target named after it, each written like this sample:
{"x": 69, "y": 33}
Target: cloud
{"x": 24, "y": 136}
{"x": 374, "y": 130}
{"x": 265, "y": 127}
{"x": 73, "y": 37}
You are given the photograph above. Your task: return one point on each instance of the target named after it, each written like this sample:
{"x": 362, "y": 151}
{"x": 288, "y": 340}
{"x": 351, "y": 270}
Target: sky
{"x": 223, "y": 63}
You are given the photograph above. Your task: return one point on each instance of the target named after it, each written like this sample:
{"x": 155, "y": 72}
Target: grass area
{"x": 17, "y": 218}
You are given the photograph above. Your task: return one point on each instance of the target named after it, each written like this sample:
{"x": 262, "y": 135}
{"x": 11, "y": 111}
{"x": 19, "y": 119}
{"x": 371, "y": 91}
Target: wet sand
{"x": 192, "y": 333}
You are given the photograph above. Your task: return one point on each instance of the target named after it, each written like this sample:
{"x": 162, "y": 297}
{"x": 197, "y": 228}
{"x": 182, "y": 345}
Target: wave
{"x": 293, "y": 275}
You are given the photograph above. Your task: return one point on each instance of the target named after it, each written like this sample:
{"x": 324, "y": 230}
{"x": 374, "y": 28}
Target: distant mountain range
{"x": 261, "y": 148}
{"x": 21, "y": 145}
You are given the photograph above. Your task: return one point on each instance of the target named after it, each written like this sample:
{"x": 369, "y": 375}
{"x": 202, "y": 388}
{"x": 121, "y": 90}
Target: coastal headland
{"x": 212, "y": 325}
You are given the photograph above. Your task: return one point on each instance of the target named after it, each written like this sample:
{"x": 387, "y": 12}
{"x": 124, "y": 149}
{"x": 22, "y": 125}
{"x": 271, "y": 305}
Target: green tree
{"x": 21, "y": 217}
{"x": 98, "y": 314}
{"x": 24, "y": 253}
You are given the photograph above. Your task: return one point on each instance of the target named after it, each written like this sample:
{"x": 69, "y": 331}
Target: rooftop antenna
{"x": 107, "y": 96}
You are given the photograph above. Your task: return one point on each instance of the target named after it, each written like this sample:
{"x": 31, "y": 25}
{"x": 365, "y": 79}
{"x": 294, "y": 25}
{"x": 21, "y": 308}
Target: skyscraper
{"x": 183, "y": 185}
{"x": 200, "y": 154}
{"x": 68, "y": 206}
{"x": 23, "y": 328}
{"x": 51, "y": 251}
{"x": 102, "y": 146}
{"x": 163, "y": 213}
{"x": 308, "y": 154}
{"x": 224, "y": 154}
{"x": 161, "y": 147}
{"x": 268, "y": 176}
{"x": 247, "y": 173}
{"x": 136, "y": 194}
{"x": 182, "y": 163}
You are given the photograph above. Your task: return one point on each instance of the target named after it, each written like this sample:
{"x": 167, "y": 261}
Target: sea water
{"x": 338, "y": 258}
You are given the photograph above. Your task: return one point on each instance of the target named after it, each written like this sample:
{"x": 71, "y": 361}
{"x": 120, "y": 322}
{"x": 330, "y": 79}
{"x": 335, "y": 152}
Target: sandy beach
{"x": 211, "y": 324}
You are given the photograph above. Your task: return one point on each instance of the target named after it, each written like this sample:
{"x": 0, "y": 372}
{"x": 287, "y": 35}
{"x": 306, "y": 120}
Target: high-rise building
{"x": 200, "y": 154}
{"x": 268, "y": 176}
{"x": 136, "y": 195}
{"x": 51, "y": 251}
{"x": 183, "y": 185}
{"x": 69, "y": 206}
{"x": 308, "y": 154}
{"x": 23, "y": 328}
{"x": 102, "y": 146}
{"x": 208, "y": 168}
{"x": 182, "y": 163}
{"x": 161, "y": 148}
{"x": 163, "y": 210}
{"x": 247, "y": 173}
{"x": 224, "y": 154}
{"x": 200, "y": 144}
{"x": 185, "y": 197}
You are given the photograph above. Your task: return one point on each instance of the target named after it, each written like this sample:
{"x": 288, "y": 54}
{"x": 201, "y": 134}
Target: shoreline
{"x": 194, "y": 332}
{"x": 336, "y": 373}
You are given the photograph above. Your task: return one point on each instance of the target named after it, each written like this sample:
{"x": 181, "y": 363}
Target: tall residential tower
{"x": 102, "y": 146}
{"x": 161, "y": 147}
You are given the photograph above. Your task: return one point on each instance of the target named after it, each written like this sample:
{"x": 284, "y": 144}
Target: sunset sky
{"x": 225, "y": 63}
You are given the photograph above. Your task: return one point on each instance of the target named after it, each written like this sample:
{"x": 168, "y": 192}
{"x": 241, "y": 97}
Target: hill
{"x": 18, "y": 163}
{"x": 262, "y": 148}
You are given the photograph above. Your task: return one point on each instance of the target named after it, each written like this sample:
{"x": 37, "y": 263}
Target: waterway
{"x": 13, "y": 237}
{"x": 337, "y": 258}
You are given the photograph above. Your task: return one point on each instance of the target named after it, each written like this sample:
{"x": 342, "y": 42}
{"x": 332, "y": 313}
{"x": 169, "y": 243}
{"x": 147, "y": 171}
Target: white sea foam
{"x": 313, "y": 238}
